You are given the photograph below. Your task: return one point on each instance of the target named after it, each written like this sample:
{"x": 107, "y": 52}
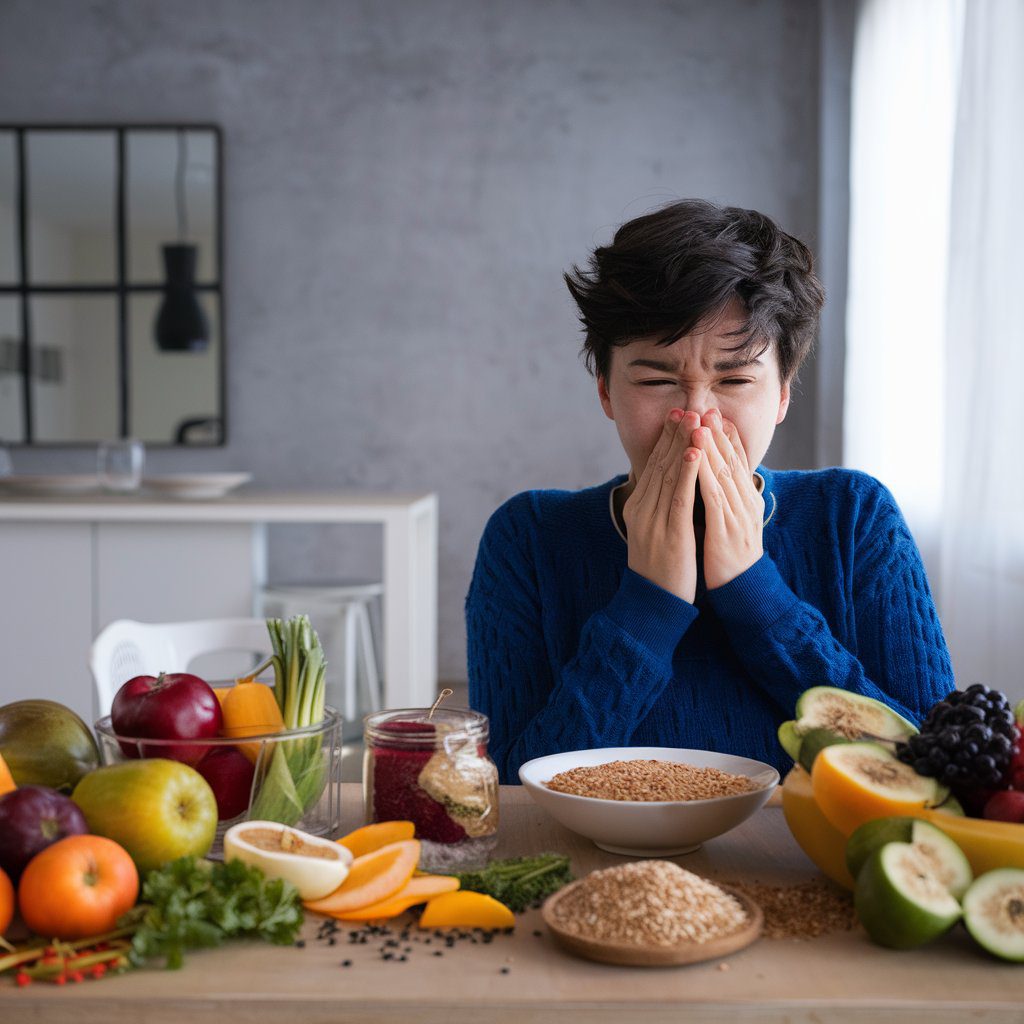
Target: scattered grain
{"x": 802, "y": 911}
{"x": 649, "y": 780}
{"x": 652, "y": 902}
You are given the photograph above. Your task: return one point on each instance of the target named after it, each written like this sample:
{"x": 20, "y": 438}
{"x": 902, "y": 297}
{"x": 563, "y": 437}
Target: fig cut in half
{"x": 848, "y": 716}
{"x": 315, "y": 866}
{"x": 900, "y": 899}
{"x": 994, "y": 912}
{"x": 946, "y": 859}
{"x": 856, "y": 782}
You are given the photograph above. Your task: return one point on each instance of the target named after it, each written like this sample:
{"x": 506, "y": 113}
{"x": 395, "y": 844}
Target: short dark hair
{"x": 673, "y": 270}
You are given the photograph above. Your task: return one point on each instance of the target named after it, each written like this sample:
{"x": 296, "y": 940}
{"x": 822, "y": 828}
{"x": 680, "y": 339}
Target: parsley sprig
{"x": 520, "y": 882}
{"x": 195, "y": 904}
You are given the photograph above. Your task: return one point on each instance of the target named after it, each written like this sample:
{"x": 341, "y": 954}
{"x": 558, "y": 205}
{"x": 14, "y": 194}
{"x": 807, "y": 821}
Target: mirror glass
{"x": 72, "y": 192}
{"x": 121, "y": 296}
{"x": 8, "y": 211}
{"x": 171, "y": 196}
{"x": 10, "y": 371}
{"x": 74, "y": 367}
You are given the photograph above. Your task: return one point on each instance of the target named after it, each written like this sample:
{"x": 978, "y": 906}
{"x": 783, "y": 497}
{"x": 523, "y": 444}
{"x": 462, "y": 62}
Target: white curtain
{"x": 982, "y": 568}
{"x": 935, "y": 347}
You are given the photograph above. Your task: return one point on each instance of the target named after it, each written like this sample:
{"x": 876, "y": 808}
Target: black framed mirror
{"x": 111, "y": 284}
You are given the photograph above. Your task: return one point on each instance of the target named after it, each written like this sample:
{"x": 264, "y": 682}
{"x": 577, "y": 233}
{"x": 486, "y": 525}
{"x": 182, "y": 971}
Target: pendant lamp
{"x": 181, "y": 324}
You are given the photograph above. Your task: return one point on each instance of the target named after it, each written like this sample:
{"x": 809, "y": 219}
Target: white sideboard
{"x": 71, "y": 565}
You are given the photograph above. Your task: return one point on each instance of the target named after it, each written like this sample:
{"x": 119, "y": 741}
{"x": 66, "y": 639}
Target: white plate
{"x": 642, "y": 828}
{"x": 56, "y": 483}
{"x": 195, "y": 485}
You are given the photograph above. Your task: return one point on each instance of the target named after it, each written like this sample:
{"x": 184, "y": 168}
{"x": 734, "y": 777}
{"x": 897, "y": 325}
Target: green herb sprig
{"x": 520, "y": 882}
{"x": 195, "y": 904}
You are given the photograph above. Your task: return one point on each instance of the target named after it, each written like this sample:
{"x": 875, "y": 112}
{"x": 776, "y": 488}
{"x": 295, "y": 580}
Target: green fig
{"x": 900, "y": 900}
{"x": 994, "y": 912}
{"x": 947, "y": 860}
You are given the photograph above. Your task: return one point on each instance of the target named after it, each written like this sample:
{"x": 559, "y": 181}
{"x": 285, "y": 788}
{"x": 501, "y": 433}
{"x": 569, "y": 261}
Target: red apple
{"x": 171, "y": 706}
{"x": 31, "y": 818}
{"x": 229, "y": 773}
{"x": 1006, "y": 805}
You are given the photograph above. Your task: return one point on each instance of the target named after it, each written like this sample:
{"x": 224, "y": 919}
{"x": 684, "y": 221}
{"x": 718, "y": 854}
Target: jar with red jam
{"x": 432, "y": 768}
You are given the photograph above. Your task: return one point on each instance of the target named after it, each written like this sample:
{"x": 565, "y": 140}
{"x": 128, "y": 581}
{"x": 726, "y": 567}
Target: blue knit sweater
{"x": 568, "y": 648}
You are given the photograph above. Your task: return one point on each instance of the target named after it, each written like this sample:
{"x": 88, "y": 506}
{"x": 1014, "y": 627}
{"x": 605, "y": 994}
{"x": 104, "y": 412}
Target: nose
{"x": 697, "y": 399}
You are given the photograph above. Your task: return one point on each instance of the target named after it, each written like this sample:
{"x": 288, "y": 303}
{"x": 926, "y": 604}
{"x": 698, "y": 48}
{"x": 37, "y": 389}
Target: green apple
{"x": 157, "y": 809}
{"x": 900, "y": 900}
{"x": 945, "y": 858}
{"x": 994, "y": 912}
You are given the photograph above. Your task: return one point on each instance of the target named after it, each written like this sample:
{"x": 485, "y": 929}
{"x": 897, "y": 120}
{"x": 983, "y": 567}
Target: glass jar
{"x": 435, "y": 772}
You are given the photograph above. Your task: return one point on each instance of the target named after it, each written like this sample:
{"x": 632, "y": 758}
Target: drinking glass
{"x": 120, "y": 464}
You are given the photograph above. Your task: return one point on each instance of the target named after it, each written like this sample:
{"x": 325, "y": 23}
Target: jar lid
{"x": 410, "y": 728}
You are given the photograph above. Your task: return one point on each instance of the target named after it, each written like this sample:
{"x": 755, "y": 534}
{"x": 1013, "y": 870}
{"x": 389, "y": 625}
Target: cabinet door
{"x": 46, "y": 622}
{"x": 175, "y": 572}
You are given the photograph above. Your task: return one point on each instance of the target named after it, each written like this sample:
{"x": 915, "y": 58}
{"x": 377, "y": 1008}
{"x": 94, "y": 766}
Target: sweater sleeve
{"x": 599, "y": 697}
{"x": 899, "y": 655}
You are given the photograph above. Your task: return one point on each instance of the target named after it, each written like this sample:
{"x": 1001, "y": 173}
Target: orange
{"x": 6, "y": 901}
{"x": 7, "y": 783}
{"x": 77, "y": 887}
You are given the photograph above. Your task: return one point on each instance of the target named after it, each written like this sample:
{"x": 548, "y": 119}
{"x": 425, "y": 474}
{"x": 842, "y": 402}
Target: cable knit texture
{"x": 569, "y": 649}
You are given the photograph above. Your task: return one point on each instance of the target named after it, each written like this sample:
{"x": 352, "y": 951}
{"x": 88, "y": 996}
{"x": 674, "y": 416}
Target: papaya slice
{"x": 7, "y": 783}
{"x": 466, "y": 910}
{"x": 372, "y": 837}
{"x": 856, "y": 782}
{"x": 418, "y": 889}
{"x": 372, "y": 878}
{"x": 815, "y": 835}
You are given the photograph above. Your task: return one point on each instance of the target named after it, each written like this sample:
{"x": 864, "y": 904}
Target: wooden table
{"x": 841, "y": 977}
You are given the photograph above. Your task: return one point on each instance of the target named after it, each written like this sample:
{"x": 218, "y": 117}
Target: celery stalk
{"x": 297, "y": 773}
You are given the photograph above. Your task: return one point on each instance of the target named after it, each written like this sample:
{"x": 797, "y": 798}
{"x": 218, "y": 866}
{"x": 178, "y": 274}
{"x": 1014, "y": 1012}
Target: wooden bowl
{"x": 651, "y": 955}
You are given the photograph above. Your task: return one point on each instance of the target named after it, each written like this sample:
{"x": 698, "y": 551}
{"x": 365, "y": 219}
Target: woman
{"x": 690, "y": 602}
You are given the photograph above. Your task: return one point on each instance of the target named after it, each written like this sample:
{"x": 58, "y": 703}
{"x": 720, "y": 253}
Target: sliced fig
{"x": 900, "y": 899}
{"x": 994, "y": 912}
{"x": 947, "y": 860}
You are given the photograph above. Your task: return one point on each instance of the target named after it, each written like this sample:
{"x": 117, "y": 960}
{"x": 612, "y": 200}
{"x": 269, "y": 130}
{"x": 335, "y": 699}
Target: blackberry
{"x": 967, "y": 741}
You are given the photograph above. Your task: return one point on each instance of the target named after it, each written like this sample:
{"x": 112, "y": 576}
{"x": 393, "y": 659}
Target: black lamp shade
{"x": 181, "y": 324}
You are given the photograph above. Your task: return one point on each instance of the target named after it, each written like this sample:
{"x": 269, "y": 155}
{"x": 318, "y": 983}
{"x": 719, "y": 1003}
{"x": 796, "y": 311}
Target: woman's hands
{"x": 733, "y": 508}
{"x": 659, "y": 512}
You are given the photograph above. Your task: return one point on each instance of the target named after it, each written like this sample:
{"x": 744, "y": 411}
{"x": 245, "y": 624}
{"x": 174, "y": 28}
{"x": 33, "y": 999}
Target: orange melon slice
{"x": 372, "y": 837}
{"x": 7, "y": 783}
{"x": 857, "y": 782}
{"x": 466, "y": 910}
{"x": 418, "y": 889}
{"x": 372, "y": 878}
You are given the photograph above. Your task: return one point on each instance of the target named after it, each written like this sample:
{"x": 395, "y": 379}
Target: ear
{"x": 606, "y": 398}
{"x": 783, "y": 403}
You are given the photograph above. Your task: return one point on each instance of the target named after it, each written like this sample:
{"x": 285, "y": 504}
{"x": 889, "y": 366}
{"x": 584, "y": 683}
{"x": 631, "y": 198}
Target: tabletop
{"x": 524, "y": 977}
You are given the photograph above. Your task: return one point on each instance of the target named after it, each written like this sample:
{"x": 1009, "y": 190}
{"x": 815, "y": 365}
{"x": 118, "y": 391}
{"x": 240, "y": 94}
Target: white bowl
{"x": 643, "y": 828}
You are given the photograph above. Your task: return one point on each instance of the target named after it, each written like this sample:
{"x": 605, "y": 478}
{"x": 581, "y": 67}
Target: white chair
{"x": 127, "y": 648}
{"x": 339, "y": 612}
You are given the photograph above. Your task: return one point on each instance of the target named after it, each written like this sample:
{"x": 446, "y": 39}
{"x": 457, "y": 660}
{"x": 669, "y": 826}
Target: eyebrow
{"x": 720, "y": 367}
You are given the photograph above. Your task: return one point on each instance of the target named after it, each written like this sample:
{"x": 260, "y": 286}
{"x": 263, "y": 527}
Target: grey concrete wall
{"x": 406, "y": 181}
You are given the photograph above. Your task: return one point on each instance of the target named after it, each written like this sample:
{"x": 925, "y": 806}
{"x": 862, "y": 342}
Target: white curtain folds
{"x": 935, "y": 344}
